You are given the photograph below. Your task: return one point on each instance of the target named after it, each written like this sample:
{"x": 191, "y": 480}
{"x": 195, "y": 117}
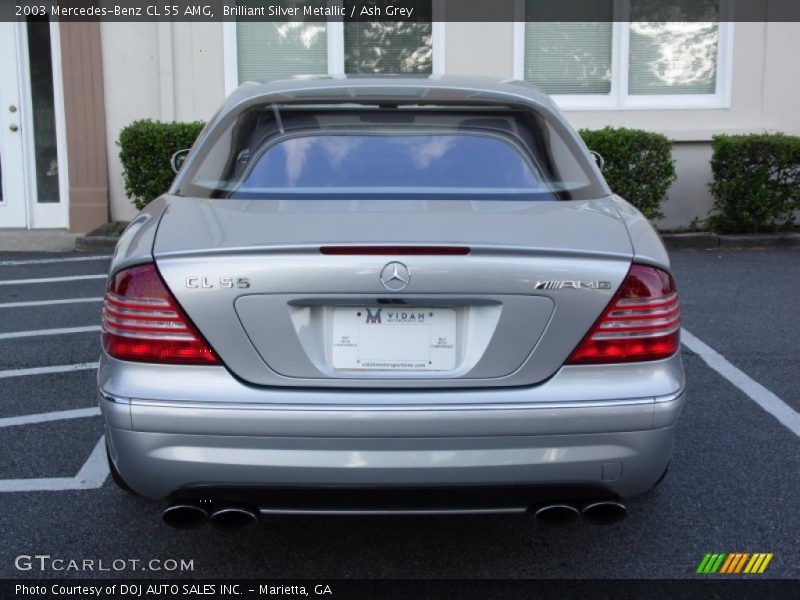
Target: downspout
{"x": 166, "y": 70}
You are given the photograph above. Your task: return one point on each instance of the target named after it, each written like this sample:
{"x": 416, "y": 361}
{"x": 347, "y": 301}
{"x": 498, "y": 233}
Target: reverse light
{"x": 142, "y": 322}
{"x": 642, "y": 322}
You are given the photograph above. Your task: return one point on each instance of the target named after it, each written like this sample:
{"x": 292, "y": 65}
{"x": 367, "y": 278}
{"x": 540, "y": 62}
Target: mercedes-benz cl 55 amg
{"x": 389, "y": 296}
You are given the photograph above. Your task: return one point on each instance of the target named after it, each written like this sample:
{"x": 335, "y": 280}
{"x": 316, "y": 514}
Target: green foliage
{"x": 756, "y": 183}
{"x": 146, "y": 148}
{"x": 639, "y": 165}
{"x": 695, "y": 225}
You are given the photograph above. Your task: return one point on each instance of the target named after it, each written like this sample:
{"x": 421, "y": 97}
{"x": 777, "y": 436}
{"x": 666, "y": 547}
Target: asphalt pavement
{"x": 733, "y": 487}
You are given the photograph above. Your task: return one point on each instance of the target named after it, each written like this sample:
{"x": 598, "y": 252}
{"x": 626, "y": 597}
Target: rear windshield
{"x": 269, "y": 153}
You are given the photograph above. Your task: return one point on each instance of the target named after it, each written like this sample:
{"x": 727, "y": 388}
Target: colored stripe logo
{"x": 734, "y": 562}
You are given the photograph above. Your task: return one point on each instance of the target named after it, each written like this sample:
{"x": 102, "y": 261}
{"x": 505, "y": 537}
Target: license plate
{"x": 394, "y": 339}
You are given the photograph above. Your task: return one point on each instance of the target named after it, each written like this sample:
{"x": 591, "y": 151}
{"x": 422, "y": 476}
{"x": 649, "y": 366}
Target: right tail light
{"x": 641, "y": 323}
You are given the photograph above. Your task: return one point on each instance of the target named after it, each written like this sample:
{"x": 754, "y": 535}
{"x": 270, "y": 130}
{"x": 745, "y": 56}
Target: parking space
{"x": 733, "y": 485}
{"x": 745, "y": 305}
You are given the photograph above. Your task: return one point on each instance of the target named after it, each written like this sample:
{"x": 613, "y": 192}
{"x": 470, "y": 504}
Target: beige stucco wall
{"x": 163, "y": 71}
{"x": 176, "y": 71}
{"x": 479, "y": 49}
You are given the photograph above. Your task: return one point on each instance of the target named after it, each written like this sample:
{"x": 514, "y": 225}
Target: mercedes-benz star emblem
{"x": 395, "y": 277}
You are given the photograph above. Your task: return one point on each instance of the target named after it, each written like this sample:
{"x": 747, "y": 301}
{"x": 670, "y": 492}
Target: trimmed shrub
{"x": 146, "y": 148}
{"x": 756, "y": 185}
{"x": 639, "y": 165}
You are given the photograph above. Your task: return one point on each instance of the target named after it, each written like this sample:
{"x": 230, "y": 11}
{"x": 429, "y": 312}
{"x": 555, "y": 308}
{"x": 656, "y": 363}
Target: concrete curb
{"x": 37, "y": 240}
{"x": 96, "y": 243}
{"x": 712, "y": 241}
{"x": 699, "y": 241}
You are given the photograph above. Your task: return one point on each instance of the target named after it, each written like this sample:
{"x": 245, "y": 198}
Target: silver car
{"x": 390, "y": 296}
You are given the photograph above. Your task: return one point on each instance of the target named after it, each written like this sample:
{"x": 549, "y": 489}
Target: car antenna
{"x": 278, "y": 119}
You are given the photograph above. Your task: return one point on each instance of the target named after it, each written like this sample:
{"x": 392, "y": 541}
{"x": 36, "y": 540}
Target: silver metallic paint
{"x": 155, "y": 464}
{"x": 169, "y": 426}
{"x": 502, "y": 275}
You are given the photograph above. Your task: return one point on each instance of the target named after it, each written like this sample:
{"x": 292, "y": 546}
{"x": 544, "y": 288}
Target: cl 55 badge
{"x": 224, "y": 283}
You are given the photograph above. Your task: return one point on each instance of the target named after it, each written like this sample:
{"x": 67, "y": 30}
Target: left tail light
{"x": 142, "y": 322}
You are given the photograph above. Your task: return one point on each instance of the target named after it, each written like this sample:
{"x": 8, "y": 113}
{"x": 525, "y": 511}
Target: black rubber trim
{"x": 359, "y": 498}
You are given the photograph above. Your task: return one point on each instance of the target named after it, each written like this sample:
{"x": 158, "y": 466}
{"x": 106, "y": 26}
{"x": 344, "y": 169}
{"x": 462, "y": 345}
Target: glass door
{"x": 38, "y": 47}
{"x": 13, "y": 193}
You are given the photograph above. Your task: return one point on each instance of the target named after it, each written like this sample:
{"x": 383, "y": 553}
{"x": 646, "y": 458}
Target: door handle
{"x": 13, "y": 127}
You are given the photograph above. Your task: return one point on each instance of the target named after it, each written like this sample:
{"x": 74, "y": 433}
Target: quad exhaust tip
{"x": 557, "y": 515}
{"x": 185, "y": 516}
{"x": 603, "y": 512}
{"x": 607, "y": 512}
{"x": 233, "y": 517}
{"x": 191, "y": 516}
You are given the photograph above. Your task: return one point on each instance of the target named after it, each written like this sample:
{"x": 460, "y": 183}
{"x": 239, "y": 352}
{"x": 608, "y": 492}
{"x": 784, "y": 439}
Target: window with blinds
{"x": 569, "y": 57}
{"x": 277, "y": 50}
{"x": 674, "y": 57}
{"x": 672, "y": 50}
{"x": 389, "y": 47}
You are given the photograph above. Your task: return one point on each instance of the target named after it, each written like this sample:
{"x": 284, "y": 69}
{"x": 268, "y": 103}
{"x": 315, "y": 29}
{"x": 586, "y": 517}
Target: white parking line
{"x": 47, "y": 370}
{"x": 94, "y": 471}
{"x": 44, "y": 332}
{"x": 61, "y": 415}
{"x": 51, "y": 279}
{"x": 757, "y": 392}
{"x": 47, "y": 261}
{"x": 49, "y": 302}
{"x": 47, "y": 484}
{"x": 92, "y": 475}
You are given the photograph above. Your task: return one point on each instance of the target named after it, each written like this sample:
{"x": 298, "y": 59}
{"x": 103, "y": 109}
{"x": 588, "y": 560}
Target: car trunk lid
{"x": 252, "y": 277}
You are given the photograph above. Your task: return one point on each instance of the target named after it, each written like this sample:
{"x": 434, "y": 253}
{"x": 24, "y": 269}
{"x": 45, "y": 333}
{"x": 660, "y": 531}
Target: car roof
{"x": 385, "y": 91}
{"x": 339, "y": 89}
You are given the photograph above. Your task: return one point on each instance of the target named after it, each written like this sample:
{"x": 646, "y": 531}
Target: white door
{"x": 13, "y": 194}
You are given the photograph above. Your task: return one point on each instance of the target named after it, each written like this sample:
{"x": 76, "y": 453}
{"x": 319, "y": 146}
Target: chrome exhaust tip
{"x": 233, "y": 517}
{"x": 184, "y": 516}
{"x": 606, "y": 512}
{"x": 557, "y": 515}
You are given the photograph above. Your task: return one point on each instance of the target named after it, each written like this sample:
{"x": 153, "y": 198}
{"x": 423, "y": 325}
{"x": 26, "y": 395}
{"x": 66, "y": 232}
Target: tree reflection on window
{"x": 388, "y": 47}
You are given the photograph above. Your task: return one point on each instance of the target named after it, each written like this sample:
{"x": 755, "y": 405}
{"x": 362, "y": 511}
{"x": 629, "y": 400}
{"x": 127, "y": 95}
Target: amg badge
{"x": 572, "y": 285}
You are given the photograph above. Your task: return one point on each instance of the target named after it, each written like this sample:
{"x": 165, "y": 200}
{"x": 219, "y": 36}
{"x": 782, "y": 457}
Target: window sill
{"x": 644, "y": 103}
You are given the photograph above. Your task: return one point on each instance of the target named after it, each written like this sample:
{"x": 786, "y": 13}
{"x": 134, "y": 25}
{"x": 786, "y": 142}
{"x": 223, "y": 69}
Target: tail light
{"x": 142, "y": 322}
{"x": 641, "y": 323}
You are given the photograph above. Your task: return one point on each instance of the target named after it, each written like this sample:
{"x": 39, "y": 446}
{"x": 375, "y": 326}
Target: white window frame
{"x": 619, "y": 98}
{"x": 335, "y": 32}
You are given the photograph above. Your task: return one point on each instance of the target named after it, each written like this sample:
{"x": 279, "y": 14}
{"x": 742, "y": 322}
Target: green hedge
{"x": 639, "y": 165}
{"x": 756, "y": 183}
{"x": 146, "y": 148}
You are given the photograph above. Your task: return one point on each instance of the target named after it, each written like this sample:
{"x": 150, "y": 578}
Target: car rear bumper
{"x": 160, "y": 465}
{"x": 477, "y": 438}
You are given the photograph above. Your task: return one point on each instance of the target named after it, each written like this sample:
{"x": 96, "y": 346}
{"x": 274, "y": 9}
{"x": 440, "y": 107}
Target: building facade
{"x": 67, "y": 89}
